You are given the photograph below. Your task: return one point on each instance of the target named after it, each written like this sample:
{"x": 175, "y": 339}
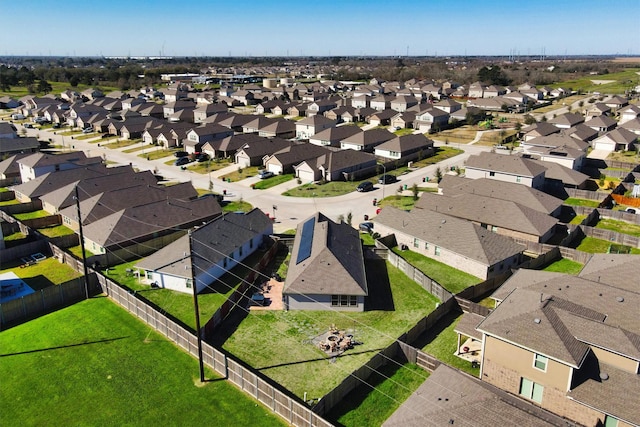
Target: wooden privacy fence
{"x": 45, "y": 300}
{"x": 252, "y": 383}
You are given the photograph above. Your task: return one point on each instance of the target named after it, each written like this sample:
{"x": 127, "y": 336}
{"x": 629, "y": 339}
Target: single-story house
{"x": 339, "y": 165}
{"x": 417, "y": 145}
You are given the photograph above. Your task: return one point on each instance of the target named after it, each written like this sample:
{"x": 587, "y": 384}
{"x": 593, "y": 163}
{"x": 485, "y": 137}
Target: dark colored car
{"x": 365, "y": 186}
{"x": 180, "y": 154}
{"x": 366, "y": 226}
{"x": 202, "y": 157}
{"x": 264, "y": 174}
{"x": 386, "y": 179}
{"x": 182, "y": 161}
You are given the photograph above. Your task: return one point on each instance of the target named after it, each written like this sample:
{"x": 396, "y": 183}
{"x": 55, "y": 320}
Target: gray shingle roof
{"x": 515, "y": 165}
{"x": 619, "y": 270}
{"x": 457, "y": 235}
{"x": 335, "y": 265}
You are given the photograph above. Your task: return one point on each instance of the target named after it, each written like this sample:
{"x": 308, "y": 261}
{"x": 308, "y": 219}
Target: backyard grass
{"x": 443, "y": 341}
{"x": 41, "y": 274}
{"x": 624, "y": 156}
{"x": 368, "y": 406}
{"x": 577, "y": 219}
{"x": 31, "y": 215}
{"x": 572, "y": 201}
{"x": 56, "y": 231}
{"x": 239, "y": 206}
{"x": 281, "y": 346}
{"x": 77, "y": 251}
{"x": 95, "y": 364}
{"x": 450, "y": 278}
{"x": 180, "y": 304}
{"x": 565, "y": 265}
{"x": 600, "y": 246}
{"x": 242, "y": 173}
{"x": 619, "y": 226}
{"x": 263, "y": 184}
{"x": 367, "y": 239}
{"x": 10, "y": 202}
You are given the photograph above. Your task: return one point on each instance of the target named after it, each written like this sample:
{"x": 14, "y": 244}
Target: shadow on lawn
{"x": 320, "y": 359}
{"x": 433, "y": 332}
{"x": 106, "y": 340}
{"x": 380, "y": 296}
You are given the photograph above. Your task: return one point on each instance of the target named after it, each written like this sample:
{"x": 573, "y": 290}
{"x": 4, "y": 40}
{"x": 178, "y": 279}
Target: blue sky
{"x": 347, "y": 27}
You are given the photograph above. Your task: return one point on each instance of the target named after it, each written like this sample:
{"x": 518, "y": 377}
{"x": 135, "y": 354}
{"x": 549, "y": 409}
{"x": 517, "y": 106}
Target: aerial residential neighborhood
{"x": 392, "y": 239}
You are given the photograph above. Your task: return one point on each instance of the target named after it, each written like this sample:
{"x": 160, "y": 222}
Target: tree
{"x": 438, "y": 174}
{"x": 414, "y": 190}
{"x": 529, "y": 119}
{"x": 340, "y": 218}
{"x": 44, "y": 87}
{"x": 493, "y": 75}
{"x": 349, "y": 218}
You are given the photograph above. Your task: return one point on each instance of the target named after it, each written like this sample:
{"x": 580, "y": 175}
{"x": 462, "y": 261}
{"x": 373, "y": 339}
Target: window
{"x": 426, "y": 245}
{"x": 251, "y": 244}
{"x": 610, "y": 421}
{"x": 344, "y": 301}
{"x": 240, "y": 251}
{"x": 416, "y": 242}
{"x": 540, "y": 362}
{"x": 531, "y": 390}
{"x": 224, "y": 263}
{"x": 189, "y": 283}
{"x": 436, "y": 250}
{"x": 518, "y": 179}
{"x": 335, "y": 300}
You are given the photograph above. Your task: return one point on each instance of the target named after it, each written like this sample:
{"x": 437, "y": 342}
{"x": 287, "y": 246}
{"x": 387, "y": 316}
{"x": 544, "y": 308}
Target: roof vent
{"x": 604, "y": 376}
{"x": 620, "y": 299}
{"x": 537, "y": 320}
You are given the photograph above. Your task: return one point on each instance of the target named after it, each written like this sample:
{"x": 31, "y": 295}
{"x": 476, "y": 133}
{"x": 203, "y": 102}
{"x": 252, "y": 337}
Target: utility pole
{"x": 84, "y": 256}
{"x": 195, "y": 306}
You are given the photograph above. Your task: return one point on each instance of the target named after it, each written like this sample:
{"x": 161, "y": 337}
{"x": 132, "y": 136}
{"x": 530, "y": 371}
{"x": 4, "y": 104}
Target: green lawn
{"x": 619, "y": 226}
{"x": 368, "y": 406}
{"x": 10, "y": 202}
{"x": 572, "y": 201}
{"x": 280, "y": 340}
{"x": 328, "y": 189}
{"x": 154, "y": 153}
{"x": 209, "y": 166}
{"x": 367, "y": 239}
{"x": 121, "y": 143}
{"x": 42, "y": 274}
{"x": 239, "y": 206}
{"x": 56, "y": 231}
{"x": 400, "y": 202}
{"x": 565, "y": 265}
{"x": 31, "y": 215}
{"x": 95, "y": 364}
{"x": 263, "y": 184}
{"x": 577, "y": 220}
{"x": 450, "y": 278}
{"x": 443, "y": 341}
{"x": 599, "y": 246}
{"x": 56, "y": 88}
{"x": 242, "y": 173}
{"x": 405, "y": 131}
{"x": 586, "y": 84}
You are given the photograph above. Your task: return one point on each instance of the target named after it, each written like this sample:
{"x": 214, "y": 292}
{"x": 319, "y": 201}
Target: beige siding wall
{"x": 503, "y": 365}
{"x": 616, "y": 360}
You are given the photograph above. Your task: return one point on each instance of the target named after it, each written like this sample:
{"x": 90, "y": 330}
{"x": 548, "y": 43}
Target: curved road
{"x": 290, "y": 210}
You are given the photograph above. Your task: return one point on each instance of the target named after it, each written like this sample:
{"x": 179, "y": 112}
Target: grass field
{"x": 599, "y": 246}
{"x": 565, "y": 265}
{"x": 209, "y": 166}
{"x": 400, "y": 202}
{"x": 328, "y": 189}
{"x": 450, "y": 278}
{"x": 619, "y": 226}
{"x": 95, "y": 364}
{"x": 56, "y": 88}
{"x": 237, "y": 206}
{"x": 42, "y": 274}
{"x": 280, "y": 340}
{"x": 367, "y": 406}
{"x": 242, "y": 173}
{"x": 461, "y": 135}
{"x": 273, "y": 181}
{"x": 619, "y": 86}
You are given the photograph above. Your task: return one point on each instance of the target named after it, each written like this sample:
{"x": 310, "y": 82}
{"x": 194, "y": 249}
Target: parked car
{"x": 180, "y": 154}
{"x": 365, "y": 186}
{"x": 87, "y": 130}
{"x": 28, "y": 126}
{"x": 264, "y": 174}
{"x": 202, "y": 157}
{"x": 632, "y": 210}
{"x": 387, "y": 179}
{"x": 366, "y": 226}
{"x": 182, "y": 161}
{"x": 56, "y": 126}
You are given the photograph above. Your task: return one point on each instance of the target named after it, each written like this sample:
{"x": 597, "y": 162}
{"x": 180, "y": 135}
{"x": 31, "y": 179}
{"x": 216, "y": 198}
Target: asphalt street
{"x": 289, "y": 210}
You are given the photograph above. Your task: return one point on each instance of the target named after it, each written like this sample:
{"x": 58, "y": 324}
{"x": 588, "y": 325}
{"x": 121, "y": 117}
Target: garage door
{"x": 277, "y": 169}
{"x": 306, "y": 175}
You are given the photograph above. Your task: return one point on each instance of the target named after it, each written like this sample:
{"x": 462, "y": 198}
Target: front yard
{"x": 278, "y": 343}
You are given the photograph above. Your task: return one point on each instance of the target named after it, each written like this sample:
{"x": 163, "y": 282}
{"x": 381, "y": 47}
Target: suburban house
{"x": 201, "y": 113}
{"x": 567, "y": 120}
{"x": 9, "y": 169}
{"x": 581, "y": 132}
{"x": 602, "y": 124}
{"x": 431, "y": 119}
{"x": 504, "y": 217}
{"x": 341, "y": 114}
{"x": 309, "y": 126}
{"x": 254, "y": 152}
{"x": 366, "y": 140}
{"x": 557, "y": 177}
{"x": 630, "y": 112}
{"x": 453, "y": 185}
{"x": 619, "y": 139}
{"x": 341, "y": 165}
{"x": 448, "y": 105}
{"x": 569, "y": 344}
{"x": 403, "y": 103}
{"x": 227, "y": 147}
{"x": 7, "y": 130}
{"x": 406, "y": 147}
{"x": 198, "y": 136}
{"x": 505, "y": 167}
{"x": 208, "y": 254}
{"x": 283, "y": 160}
{"x": 320, "y": 106}
{"x": 382, "y": 102}
{"x": 38, "y": 164}
{"x": 9, "y": 146}
{"x": 326, "y": 270}
{"x": 403, "y": 120}
{"x": 558, "y": 147}
{"x": 632, "y": 125}
{"x": 381, "y": 118}
{"x": 456, "y": 242}
{"x": 281, "y": 128}
{"x": 334, "y": 135}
